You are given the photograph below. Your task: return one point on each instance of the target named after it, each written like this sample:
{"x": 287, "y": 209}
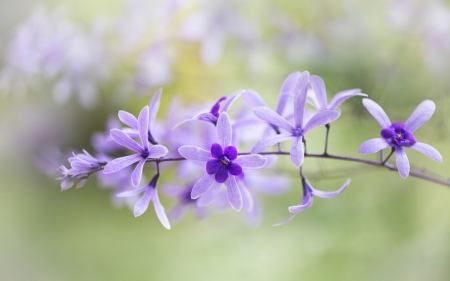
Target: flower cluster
{"x": 210, "y": 154}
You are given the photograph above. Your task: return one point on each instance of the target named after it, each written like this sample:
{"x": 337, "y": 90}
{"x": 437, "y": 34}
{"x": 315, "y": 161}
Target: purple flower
{"x": 319, "y": 99}
{"x": 150, "y": 194}
{"x": 222, "y": 163}
{"x": 399, "y": 135}
{"x": 307, "y": 200}
{"x": 102, "y": 141}
{"x": 297, "y": 131}
{"x": 82, "y": 165}
{"x": 144, "y": 152}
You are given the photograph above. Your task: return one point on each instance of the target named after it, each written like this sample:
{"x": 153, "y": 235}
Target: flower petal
{"x": 194, "y": 153}
{"x": 157, "y": 151}
{"x": 143, "y": 127}
{"x": 402, "y": 162}
{"x": 213, "y": 166}
{"x": 420, "y": 115}
{"x": 222, "y": 174}
{"x": 326, "y": 194}
{"x": 128, "y": 119}
{"x": 125, "y": 140}
{"x": 273, "y": 118}
{"x": 223, "y": 128}
{"x": 132, "y": 192}
{"x": 153, "y": 109}
{"x": 202, "y": 116}
{"x": 137, "y": 173}
{"x": 297, "y": 154}
{"x": 253, "y": 161}
{"x": 377, "y": 112}
{"x": 269, "y": 141}
{"x": 300, "y": 98}
{"x": 373, "y": 145}
{"x": 340, "y": 97}
{"x": 427, "y": 150}
{"x": 159, "y": 209}
{"x": 321, "y": 118}
{"x": 234, "y": 169}
{"x": 253, "y": 98}
{"x": 296, "y": 210}
{"x": 120, "y": 163}
{"x": 230, "y": 152}
{"x": 216, "y": 150}
{"x": 318, "y": 86}
{"x": 287, "y": 90}
{"x": 230, "y": 100}
{"x": 247, "y": 198}
{"x": 142, "y": 204}
{"x": 209, "y": 196}
{"x": 234, "y": 194}
{"x": 202, "y": 186}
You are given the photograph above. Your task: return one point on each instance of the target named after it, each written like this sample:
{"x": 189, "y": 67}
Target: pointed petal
{"x": 427, "y": 150}
{"x": 421, "y": 114}
{"x": 253, "y": 98}
{"x": 128, "y": 119}
{"x": 223, "y": 128}
{"x": 177, "y": 212}
{"x": 120, "y": 163}
{"x": 137, "y": 173}
{"x": 321, "y": 118}
{"x": 230, "y": 100}
{"x": 373, "y": 145}
{"x": 132, "y": 192}
{"x": 143, "y": 127}
{"x": 402, "y": 162}
{"x": 306, "y": 201}
{"x": 202, "y": 186}
{"x": 273, "y": 118}
{"x": 269, "y": 141}
{"x": 296, "y": 210}
{"x": 202, "y": 116}
{"x": 319, "y": 89}
{"x": 340, "y": 97}
{"x": 234, "y": 194}
{"x": 297, "y": 154}
{"x": 194, "y": 153}
{"x": 153, "y": 109}
{"x": 142, "y": 204}
{"x": 157, "y": 151}
{"x": 287, "y": 90}
{"x": 125, "y": 140}
{"x": 209, "y": 196}
{"x": 253, "y": 161}
{"x": 159, "y": 209}
{"x": 326, "y": 194}
{"x": 377, "y": 112}
{"x": 247, "y": 198}
{"x": 300, "y": 98}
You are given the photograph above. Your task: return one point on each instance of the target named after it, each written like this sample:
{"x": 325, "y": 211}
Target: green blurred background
{"x": 381, "y": 228}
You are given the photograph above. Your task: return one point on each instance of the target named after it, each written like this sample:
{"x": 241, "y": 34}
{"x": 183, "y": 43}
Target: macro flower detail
{"x": 297, "y": 131}
{"x": 308, "y": 193}
{"x": 222, "y": 165}
{"x": 144, "y": 152}
{"x": 400, "y": 135}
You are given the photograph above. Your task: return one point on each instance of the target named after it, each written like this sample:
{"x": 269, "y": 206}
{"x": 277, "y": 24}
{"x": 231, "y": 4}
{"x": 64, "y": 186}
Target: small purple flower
{"x": 399, "y": 135}
{"x": 319, "y": 99}
{"x": 82, "y": 165}
{"x": 150, "y": 194}
{"x": 307, "y": 200}
{"x": 298, "y": 131}
{"x": 144, "y": 152}
{"x": 222, "y": 165}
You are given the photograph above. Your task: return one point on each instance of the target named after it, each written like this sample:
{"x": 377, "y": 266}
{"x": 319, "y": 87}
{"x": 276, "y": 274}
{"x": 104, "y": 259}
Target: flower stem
{"x": 327, "y": 126}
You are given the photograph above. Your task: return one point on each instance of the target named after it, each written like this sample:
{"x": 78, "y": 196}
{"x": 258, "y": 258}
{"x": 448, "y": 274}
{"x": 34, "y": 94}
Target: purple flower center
{"x": 297, "y": 132}
{"x": 222, "y": 164}
{"x": 397, "y": 135}
{"x": 145, "y": 154}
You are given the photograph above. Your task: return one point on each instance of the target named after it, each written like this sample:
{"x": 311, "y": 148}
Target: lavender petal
{"x": 287, "y": 90}
{"x": 230, "y": 100}
{"x": 402, "y": 162}
{"x": 300, "y": 98}
{"x": 124, "y": 140}
{"x": 157, "y": 151}
{"x": 159, "y": 209}
{"x": 318, "y": 86}
{"x": 420, "y": 115}
{"x": 427, "y": 150}
{"x": 377, "y": 112}
{"x": 137, "y": 173}
{"x": 321, "y": 118}
{"x": 202, "y": 116}
{"x": 143, "y": 127}
{"x": 209, "y": 196}
{"x": 120, "y": 163}
{"x": 194, "y": 153}
{"x": 202, "y": 186}
{"x": 326, "y": 194}
{"x": 373, "y": 145}
{"x": 153, "y": 109}
{"x": 128, "y": 119}
{"x": 142, "y": 204}
{"x": 247, "y": 198}
{"x": 132, "y": 192}
{"x": 234, "y": 194}
{"x": 296, "y": 210}
{"x": 297, "y": 154}
{"x": 273, "y": 118}
{"x": 223, "y": 129}
{"x": 253, "y": 98}
{"x": 269, "y": 141}
{"x": 253, "y": 161}
{"x": 340, "y": 97}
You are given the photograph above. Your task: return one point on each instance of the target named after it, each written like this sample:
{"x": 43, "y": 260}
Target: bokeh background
{"x": 381, "y": 228}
